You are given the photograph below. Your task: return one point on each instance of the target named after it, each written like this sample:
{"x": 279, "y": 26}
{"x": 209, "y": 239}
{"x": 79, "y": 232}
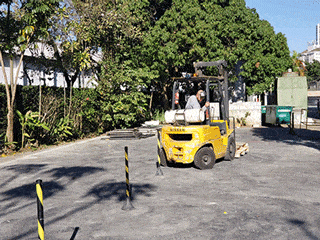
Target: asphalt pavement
{"x": 273, "y": 192}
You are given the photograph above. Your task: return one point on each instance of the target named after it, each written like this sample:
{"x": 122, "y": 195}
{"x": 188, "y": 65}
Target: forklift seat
{"x": 221, "y": 125}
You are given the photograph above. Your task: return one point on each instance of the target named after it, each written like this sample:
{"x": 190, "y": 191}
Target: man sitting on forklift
{"x": 195, "y": 100}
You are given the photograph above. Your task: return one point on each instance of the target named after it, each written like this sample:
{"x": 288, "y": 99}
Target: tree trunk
{"x": 40, "y": 100}
{"x": 9, "y": 132}
{"x": 64, "y": 101}
{"x": 165, "y": 98}
{"x": 70, "y": 102}
{"x": 150, "y": 103}
{"x": 11, "y": 94}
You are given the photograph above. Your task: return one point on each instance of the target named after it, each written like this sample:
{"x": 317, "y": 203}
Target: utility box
{"x": 292, "y": 90}
{"x": 278, "y": 114}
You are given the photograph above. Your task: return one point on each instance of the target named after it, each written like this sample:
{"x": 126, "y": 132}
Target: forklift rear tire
{"x": 205, "y": 158}
{"x": 163, "y": 158}
{"x": 231, "y": 149}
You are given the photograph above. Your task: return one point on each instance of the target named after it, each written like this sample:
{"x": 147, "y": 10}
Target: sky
{"x": 296, "y": 19}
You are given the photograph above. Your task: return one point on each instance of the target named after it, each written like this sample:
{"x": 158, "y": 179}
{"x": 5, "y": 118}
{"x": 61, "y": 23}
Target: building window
{"x": 6, "y": 62}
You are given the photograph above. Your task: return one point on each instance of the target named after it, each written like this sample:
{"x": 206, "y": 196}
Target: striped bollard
{"x": 40, "y": 209}
{"x": 291, "y": 131}
{"x": 159, "y": 171}
{"x": 127, "y": 205}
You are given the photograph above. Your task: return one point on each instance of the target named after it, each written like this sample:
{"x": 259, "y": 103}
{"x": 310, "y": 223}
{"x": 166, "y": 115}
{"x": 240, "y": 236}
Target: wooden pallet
{"x": 242, "y": 149}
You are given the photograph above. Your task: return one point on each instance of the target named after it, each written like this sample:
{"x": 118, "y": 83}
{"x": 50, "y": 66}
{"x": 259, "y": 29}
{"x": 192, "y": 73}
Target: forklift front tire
{"x": 231, "y": 149}
{"x": 163, "y": 158}
{"x": 205, "y": 158}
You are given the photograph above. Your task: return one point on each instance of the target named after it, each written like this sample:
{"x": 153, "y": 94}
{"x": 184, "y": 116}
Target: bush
{"x": 121, "y": 99}
{"x": 53, "y": 116}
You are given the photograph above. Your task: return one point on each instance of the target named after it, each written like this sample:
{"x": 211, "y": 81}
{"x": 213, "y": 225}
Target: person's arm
{"x": 192, "y": 103}
{"x": 206, "y": 105}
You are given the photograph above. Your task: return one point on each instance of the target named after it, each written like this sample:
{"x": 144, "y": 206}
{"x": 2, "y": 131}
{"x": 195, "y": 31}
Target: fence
{"x": 308, "y": 122}
{"x": 314, "y": 86}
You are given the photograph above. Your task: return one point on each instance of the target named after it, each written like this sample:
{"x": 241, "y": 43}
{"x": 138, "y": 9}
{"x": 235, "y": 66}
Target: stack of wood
{"x": 124, "y": 133}
{"x": 242, "y": 149}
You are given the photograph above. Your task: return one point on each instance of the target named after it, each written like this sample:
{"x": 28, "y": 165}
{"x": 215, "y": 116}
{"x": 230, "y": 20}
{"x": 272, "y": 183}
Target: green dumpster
{"x": 278, "y": 114}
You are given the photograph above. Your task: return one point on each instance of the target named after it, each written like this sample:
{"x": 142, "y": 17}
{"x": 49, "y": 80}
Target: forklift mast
{"x": 221, "y": 81}
{"x": 223, "y": 88}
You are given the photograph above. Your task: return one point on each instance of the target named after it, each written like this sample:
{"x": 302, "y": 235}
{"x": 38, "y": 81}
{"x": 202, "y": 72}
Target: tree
{"x": 69, "y": 56}
{"x": 213, "y": 30}
{"x": 72, "y": 53}
{"x": 21, "y": 23}
{"x": 313, "y": 71}
{"x": 115, "y": 30}
{"x": 297, "y": 64}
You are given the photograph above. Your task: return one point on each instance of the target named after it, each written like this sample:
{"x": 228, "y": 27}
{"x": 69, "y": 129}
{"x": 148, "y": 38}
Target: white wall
{"x": 239, "y": 110}
{"x": 51, "y": 79}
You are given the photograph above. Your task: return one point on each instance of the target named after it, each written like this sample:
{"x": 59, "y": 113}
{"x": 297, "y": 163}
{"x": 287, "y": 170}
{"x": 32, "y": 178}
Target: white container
{"x": 172, "y": 116}
{"x": 194, "y": 115}
{"x": 187, "y": 116}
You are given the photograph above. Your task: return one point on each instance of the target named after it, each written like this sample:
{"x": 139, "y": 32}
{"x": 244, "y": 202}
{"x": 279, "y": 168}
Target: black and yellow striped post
{"x": 40, "y": 209}
{"x": 127, "y": 205}
{"x": 159, "y": 171}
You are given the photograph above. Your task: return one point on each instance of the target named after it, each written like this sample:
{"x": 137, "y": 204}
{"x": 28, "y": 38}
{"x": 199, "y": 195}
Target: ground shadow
{"x": 303, "y": 226}
{"x": 26, "y": 168}
{"x": 108, "y": 190}
{"x": 21, "y": 169}
{"x": 73, "y": 172}
{"x": 29, "y": 191}
{"x": 7, "y": 181}
{"x": 308, "y": 138}
{"x": 190, "y": 165}
{"x": 180, "y": 165}
{"x": 102, "y": 191}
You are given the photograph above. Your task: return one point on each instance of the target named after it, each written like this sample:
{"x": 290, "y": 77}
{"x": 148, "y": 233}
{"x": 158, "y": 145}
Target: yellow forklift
{"x": 199, "y": 136}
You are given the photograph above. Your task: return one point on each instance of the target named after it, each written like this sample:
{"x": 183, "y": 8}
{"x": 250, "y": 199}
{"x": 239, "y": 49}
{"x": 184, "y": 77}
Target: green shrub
{"x": 159, "y": 115}
{"x": 57, "y": 117}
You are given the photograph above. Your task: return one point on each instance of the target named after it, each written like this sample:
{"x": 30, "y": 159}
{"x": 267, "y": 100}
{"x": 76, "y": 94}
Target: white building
{"x": 310, "y": 56}
{"x": 313, "y": 51}
{"x": 30, "y": 74}
{"x": 318, "y": 34}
